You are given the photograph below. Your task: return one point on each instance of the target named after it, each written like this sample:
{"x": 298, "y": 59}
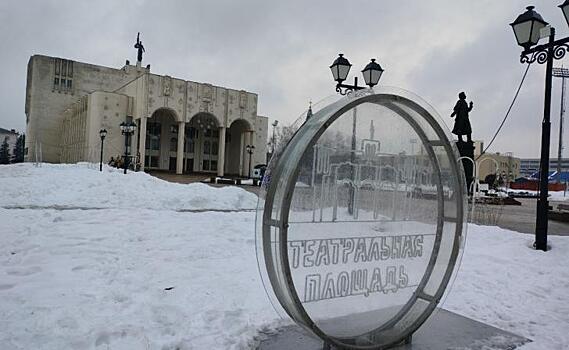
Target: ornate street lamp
{"x": 372, "y": 73}
{"x": 527, "y": 29}
{"x": 250, "y": 150}
{"x": 565, "y": 8}
{"x": 127, "y": 129}
{"x": 102, "y": 134}
{"x": 341, "y": 67}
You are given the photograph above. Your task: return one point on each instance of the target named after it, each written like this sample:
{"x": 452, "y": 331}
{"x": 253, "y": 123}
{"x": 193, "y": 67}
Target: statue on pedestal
{"x": 462, "y": 123}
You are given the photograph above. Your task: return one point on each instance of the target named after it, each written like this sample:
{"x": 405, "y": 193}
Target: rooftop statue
{"x": 140, "y": 48}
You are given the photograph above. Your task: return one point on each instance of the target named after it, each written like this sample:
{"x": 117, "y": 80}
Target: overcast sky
{"x": 282, "y": 51}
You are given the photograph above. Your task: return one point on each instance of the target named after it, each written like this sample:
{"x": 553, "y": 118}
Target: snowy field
{"x": 108, "y": 261}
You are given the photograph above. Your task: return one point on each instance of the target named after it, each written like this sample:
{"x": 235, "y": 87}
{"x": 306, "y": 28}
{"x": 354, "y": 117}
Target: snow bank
{"x": 82, "y": 185}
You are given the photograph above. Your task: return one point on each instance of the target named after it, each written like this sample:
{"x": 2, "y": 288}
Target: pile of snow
{"x": 84, "y": 186}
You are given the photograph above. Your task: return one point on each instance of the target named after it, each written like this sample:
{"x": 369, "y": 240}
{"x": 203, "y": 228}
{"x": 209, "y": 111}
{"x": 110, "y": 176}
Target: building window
{"x": 190, "y": 132}
{"x": 189, "y": 146}
{"x": 173, "y": 144}
{"x": 63, "y": 72}
{"x": 153, "y": 132}
{"x": 155, "y": 143}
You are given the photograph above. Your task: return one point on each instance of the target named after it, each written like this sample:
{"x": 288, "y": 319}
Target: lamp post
{"x": 102, "y": 134}
{"x": 127, "y": 129}
{"x": 372, "y": 72}
{"x": 527, "y": 29}
{"x": 274, "y": 124}
{"x": 250, "y": 149}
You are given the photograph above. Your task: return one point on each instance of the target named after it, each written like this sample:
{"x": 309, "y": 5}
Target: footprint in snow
{"x": 24, "y": 271}
{"x": 6, "y": 286}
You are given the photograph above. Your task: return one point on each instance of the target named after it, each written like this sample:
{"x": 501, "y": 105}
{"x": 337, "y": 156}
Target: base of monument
{"x": 443, "y": 330}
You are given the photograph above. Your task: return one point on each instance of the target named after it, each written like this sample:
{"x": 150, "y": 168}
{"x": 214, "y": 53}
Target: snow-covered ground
{"x": 141, "y": 274}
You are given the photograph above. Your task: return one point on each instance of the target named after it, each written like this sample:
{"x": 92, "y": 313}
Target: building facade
{"x": 505, "y": 165}
{"x": 11, "y": 137}
{"x": 182, "y": 126}
{"x": 530, "y": 166}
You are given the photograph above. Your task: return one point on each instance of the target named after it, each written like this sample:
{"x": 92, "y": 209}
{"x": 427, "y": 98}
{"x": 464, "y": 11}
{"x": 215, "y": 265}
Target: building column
{"x": 252, "y": 156}
{"x": 142, "y": 141}
{"x": 180, "y": 148}
{"x": 221, "y": 152}
{"x": 241, "y": 153}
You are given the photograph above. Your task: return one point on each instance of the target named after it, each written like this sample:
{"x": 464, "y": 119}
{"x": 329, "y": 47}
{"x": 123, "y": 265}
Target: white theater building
{"x": 182, "y": 126}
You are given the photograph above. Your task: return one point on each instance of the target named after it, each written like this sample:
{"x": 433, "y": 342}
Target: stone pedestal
{"x": 443, "y": 330}
{"x": 466, "y": 149}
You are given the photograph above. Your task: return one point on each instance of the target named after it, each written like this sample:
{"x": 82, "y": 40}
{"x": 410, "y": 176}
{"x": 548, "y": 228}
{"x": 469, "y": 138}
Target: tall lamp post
{"x": 250, "y": 150}
{"x": 527, "y": 29}
{"x": 274, "y": 124}
{"x": 372, "y": 72}
{"x": 127, "y": 129}
{"x": 102, "y": 134}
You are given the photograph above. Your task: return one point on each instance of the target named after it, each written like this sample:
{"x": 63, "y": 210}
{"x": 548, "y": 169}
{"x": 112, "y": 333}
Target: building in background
{"x": 182, "y": 126}
{"x": 505, "y": 165}
{"x": 530, "y": 166}
{"x": 11, "y": 136}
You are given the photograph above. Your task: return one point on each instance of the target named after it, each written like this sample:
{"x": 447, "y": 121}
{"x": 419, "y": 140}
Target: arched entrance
{"x": 202, "y": 144}
{"x": 239, "y": 135}
{"x": 161, "y": 140}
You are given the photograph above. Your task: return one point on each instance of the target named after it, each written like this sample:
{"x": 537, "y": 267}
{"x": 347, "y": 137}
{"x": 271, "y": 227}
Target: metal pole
{"x": 250, "y": 156}
{"x": 542, "y": 203}
{"x": 125, "y": 163}
{"x": 561, "y": 114}
{"x": 101, "y": 161}
{"x": 353, "y": 156}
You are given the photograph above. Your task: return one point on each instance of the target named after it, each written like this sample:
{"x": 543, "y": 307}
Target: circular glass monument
{"x": 361, "y": 220}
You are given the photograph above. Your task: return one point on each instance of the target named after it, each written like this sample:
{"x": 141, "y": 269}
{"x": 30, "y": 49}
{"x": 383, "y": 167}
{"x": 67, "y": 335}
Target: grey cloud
{"x": 282, "y": 50}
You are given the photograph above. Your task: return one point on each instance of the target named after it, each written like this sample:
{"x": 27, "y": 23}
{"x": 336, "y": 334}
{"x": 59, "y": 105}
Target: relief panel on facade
{"x": 242, "y": 99}
{"x": 166, "y": 85}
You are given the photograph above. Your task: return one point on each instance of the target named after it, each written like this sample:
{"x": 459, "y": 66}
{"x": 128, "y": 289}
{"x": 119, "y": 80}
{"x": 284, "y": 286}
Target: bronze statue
{"x": 140, "y": 47}
{"x": 462, "y": 123}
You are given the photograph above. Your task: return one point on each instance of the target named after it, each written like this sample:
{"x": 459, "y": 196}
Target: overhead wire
{"x": 507, "y": 113}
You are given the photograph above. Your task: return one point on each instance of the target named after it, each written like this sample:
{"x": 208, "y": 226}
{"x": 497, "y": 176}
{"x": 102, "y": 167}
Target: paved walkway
{"x": 191, "y": 178}
{"x": 182, "y": 179}
{"x": 521, "y": 218}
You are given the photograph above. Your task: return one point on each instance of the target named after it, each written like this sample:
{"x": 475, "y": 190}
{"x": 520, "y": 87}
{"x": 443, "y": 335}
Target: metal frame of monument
{"x": 278, "y": 201}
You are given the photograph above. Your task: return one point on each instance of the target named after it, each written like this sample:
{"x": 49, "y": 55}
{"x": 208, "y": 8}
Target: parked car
{"x": 259, "y": 171}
